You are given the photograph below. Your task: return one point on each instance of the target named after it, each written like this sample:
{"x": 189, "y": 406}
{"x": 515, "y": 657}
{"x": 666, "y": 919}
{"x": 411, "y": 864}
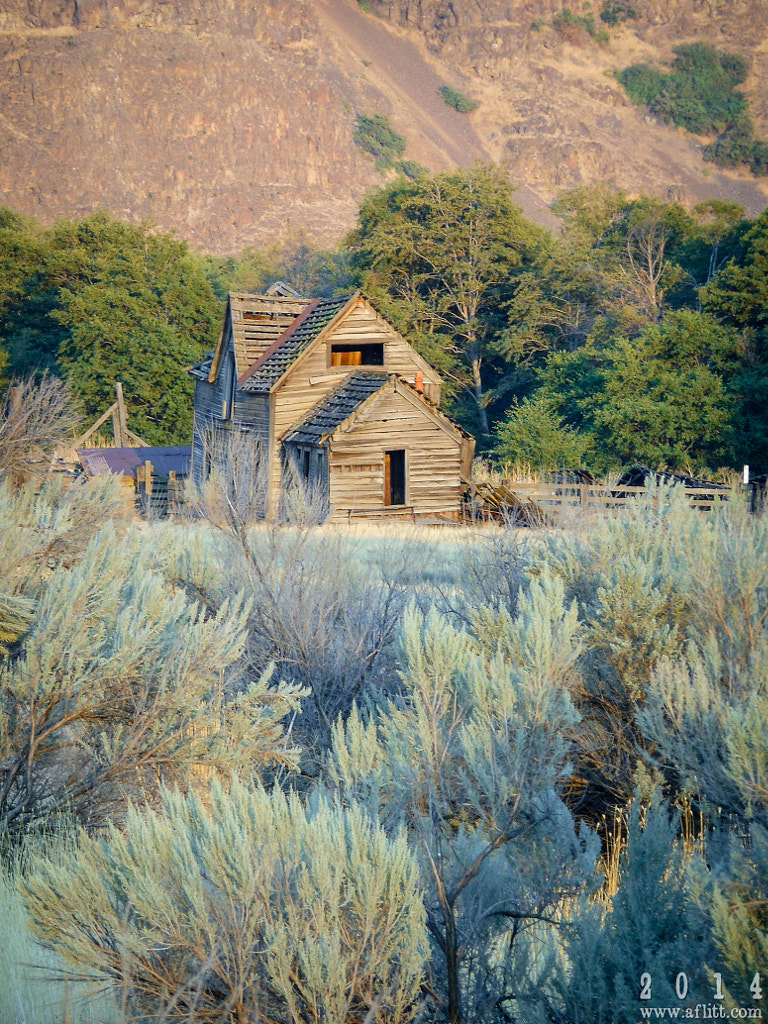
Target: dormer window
{"x": 357, "y": 355}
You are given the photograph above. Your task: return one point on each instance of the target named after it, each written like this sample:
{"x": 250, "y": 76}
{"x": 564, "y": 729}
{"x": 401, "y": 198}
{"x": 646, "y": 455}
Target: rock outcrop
{"x": 232, "y": 121}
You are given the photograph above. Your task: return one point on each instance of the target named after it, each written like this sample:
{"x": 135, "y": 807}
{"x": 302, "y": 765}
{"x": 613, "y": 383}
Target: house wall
{"x": 363, "y": 325}
{"x": 356, "y": 460}
{"x": 212, "y": 405}
{"x": 313, "y": 377}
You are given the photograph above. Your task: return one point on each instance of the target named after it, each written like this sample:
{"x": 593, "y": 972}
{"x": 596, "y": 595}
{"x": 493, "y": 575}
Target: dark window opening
{"x": 357, "y": 355}
{"x": 394, "y": 477}
{"x": 305, "y": 464}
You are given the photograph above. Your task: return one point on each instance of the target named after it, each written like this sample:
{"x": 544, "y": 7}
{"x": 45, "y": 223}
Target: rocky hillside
{"x": 232, "y": 121}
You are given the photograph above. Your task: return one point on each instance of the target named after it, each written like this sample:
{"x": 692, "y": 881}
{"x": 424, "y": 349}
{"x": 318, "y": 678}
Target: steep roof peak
{"x": 267, "y": 370}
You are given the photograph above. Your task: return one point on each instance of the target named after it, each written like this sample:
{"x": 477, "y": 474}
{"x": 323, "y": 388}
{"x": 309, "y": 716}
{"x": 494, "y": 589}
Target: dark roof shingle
{"x": 296, "y": 339}
{"x": 323, "y": 418}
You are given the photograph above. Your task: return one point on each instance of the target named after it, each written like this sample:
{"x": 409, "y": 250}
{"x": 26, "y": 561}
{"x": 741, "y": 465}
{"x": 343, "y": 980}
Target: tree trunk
{"x": 477, "y": 394}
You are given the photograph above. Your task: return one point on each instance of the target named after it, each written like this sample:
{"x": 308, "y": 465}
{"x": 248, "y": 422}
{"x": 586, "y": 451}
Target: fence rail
{"x": 158, "y": 494}
{"x": 601, "y": 497}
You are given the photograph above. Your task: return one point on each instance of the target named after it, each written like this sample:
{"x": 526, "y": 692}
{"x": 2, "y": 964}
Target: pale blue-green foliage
{"x": 31, "y": 989}
{"x": 324, "y": 616}
{"x": 653, "y": 583}
{"x": 41, "y": 526}
{"x": 626, "y": 574}
{"x": 705, "y": 719}
{"x": 726, "y": 580}
{"x": 469, "y": 760}
{"x": 120, "y": 682}
{"x": 662, "y": 573}
{"x": 249, "y": 903}
{"x": 653, "y": 925}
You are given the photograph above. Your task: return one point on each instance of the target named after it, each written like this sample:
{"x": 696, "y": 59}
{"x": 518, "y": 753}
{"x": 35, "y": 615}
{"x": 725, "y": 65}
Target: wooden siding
{"x": 313, "y": 376}
{"x": 206, "y": 412}
{"x": 253, "y": 323}
{"x": 251, "y": 412}
{"x": 362, "y": 325}
{"x": 392, "y": 422}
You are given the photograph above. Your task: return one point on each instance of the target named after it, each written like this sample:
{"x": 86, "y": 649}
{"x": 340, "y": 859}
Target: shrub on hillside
{"x": 614, "y": 12}
{"x": 699, "y": 93}
{"x": 376, "y": 136}
{"x": 575, "y": 27}
{"x": 457, "y": 100}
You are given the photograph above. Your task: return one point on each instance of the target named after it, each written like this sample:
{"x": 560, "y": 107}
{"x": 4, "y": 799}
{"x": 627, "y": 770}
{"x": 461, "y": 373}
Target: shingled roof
{"x": 258, "y": 321}
{"x": 297, "y": 338}
{"x": 336, "y": 407}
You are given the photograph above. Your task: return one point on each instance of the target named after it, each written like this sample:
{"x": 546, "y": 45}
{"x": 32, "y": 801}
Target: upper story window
{"x": 358, "y": 355}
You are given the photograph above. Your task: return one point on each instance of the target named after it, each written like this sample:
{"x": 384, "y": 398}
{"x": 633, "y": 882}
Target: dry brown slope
{"x": 227, "y": 123}
{"x": 232, "y": 121}
{"x": 552, "y": 107}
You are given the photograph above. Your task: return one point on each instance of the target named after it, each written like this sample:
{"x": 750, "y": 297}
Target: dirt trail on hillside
{"x": 399, "y": 69}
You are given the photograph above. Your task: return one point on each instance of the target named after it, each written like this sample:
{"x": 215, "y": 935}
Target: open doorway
{"x": 394, "y": 477}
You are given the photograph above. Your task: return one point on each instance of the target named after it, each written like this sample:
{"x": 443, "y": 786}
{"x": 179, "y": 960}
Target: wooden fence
{"x": 158, "y": 494}
{"x": 599, "y": 497}
{"x": 542, "y": 503}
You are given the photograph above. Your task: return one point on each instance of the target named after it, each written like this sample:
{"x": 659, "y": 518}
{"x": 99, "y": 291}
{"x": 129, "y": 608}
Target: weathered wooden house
{"x": 336, "y": 396}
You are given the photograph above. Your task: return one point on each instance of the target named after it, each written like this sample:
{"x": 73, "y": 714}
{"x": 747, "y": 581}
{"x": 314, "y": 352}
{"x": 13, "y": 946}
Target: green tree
{"x": 28, "y": 339}
{"x": 135, "y": 307}
{"x": 660, "y": 398}
{"x": 440, "y": 254}
{"x": 535, "y": 435}
{"x": 738, "y": 296}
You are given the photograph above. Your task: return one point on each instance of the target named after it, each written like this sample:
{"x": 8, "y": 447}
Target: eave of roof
{"x": 325, "y": 419}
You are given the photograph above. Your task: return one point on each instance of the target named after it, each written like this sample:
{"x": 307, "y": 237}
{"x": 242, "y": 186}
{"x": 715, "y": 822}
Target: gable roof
{"x": 345, "y": 402}
{"x": 273, "y": 362}
{"x": 329, "y": 413}
{"x": 254, "y": 322}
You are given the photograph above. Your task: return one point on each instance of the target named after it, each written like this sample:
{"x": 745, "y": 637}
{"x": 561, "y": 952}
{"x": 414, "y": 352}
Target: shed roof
{"x": 263, "y": 374}
{"x": 124, "y": 461}
{"x": 330, "y": 412}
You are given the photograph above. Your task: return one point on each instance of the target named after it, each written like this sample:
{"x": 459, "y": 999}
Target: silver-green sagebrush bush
{"x": 117, "y": 683}
{"x": 469, "y": 761}
{"x": 248, "y": 907}
{"x": 325, "y": 621}
{"x": 705, "y": 718}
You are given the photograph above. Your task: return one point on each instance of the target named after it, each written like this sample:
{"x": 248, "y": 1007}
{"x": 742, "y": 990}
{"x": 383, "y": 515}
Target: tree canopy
{"x": 441, "y": 255}
{"x": 638, "y": 331}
